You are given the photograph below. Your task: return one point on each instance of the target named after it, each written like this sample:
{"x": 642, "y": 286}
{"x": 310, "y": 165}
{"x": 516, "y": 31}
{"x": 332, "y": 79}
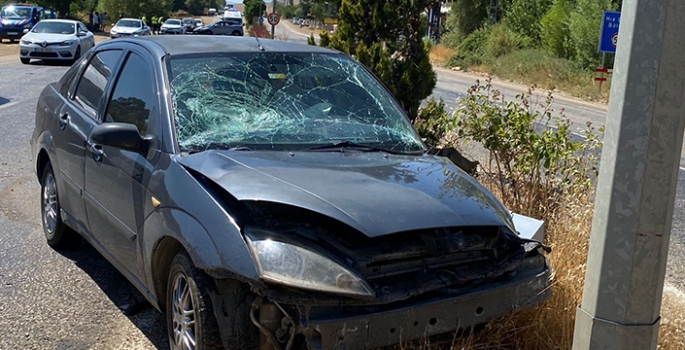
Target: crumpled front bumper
{"x": 429, "y": 317}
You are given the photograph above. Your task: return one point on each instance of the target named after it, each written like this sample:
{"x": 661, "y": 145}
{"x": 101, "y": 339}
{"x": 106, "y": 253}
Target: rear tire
{"x": 235, "y": 33}
{"x": 57, "y": 234}
{"x": 189, "y": 311}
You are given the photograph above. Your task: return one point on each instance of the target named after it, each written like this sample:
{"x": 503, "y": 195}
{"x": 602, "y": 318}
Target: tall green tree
{"x": 465, "y": 17}
{"x": 387, "y": 37}
{"x": 253, "y": 8}
{"x": 555, "y": 35}
{"x": 135, "y": 8}
{"x": 584, "y": 26}
{"x": 523, "y": 17}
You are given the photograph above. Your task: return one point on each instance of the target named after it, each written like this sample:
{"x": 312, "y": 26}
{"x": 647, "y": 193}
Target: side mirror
{"x": 119, "y": 135}
{"x": 82, "y": 33}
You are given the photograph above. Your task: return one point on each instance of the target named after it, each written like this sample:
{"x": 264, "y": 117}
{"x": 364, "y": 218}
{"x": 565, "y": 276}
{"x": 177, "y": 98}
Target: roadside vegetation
{"x": 549, "y": 43}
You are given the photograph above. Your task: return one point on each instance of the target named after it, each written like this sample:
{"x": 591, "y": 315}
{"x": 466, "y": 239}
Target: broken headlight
{"x": 293, "y": 265}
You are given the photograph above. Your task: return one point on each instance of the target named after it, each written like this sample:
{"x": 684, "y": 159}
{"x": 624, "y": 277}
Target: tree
{"x": 523, "y": 17}
{"x": 387, "y": 37}
{"x": 584, "y": 25}
{"x": 319, "y": 11}
{"x": 555, "y": 35}
{"x": 465, "y": 17}
{"x": 253, "y": 8}
{"x": 135, "y": 8}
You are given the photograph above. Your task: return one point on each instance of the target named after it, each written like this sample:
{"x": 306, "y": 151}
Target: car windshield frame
{"x": 44, "y": 23}
{"x": 173, "y": 22}
{"x": 121, "y": 23}
{"x": 387, "y": 124}
{"x": 6, "y": 14}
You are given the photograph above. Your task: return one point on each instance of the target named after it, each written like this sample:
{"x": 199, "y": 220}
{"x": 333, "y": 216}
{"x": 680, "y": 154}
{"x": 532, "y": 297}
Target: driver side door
{"x": 116, "y": 179}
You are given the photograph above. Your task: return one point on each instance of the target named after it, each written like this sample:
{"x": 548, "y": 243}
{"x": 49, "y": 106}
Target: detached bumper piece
{"x": 429, "y": 317}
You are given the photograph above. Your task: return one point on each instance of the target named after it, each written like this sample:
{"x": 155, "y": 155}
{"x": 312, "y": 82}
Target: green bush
{"x": 534, "y": 164}
{"x": 501, "y": 40}
{"x": 584, "y": 25}
{"x": 555, "y": 34}
{"x": 523, "y": 17}
{"x": 433, "y": 123}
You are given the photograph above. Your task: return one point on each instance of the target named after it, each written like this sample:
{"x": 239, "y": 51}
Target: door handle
{"x": 63, "y": 121}
{"x": 97, "y": 151}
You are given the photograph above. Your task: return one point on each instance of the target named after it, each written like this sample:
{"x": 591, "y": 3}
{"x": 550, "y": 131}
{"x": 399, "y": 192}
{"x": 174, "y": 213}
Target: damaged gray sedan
{"x": 271, "y": 195}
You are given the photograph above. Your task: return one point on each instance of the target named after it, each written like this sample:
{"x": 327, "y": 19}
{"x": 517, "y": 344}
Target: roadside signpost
{"x": 608, "y": 38}
{"x": 273, "y": 18}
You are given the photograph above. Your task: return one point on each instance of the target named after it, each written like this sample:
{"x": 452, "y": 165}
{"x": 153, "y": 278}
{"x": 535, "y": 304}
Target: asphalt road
{"x": 74, "y": 300}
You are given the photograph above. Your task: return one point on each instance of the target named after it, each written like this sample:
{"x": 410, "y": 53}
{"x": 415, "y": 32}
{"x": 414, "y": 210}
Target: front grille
{"x": 427, "y": 259}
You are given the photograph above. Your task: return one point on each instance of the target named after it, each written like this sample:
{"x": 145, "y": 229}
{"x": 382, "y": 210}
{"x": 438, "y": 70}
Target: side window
{"x": 94, "y": 80}
{"x": 134, "y": 98}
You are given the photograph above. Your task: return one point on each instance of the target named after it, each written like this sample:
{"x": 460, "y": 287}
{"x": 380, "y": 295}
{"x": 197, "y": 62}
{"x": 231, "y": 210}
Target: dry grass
{"x": 439, "y": 54}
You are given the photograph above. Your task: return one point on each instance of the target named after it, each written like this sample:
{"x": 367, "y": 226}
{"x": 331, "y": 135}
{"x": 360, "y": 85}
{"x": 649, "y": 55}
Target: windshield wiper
{"x": 342, "y": 145}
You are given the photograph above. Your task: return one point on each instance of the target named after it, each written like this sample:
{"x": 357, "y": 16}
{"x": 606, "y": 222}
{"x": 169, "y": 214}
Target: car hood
{"x": 126, "y": 29}
{"x": 14, "y": 22}
{"x": 376, "y": 194}
{"x": 50, "y": 38}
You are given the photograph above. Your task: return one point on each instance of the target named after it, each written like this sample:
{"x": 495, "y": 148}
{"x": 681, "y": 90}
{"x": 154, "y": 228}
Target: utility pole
{"x": 273, "y": 28}
{"x": 637, "y": 181}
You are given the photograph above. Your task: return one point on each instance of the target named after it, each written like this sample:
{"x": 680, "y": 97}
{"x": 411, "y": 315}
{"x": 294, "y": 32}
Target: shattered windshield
{"x": 283, "y": 101}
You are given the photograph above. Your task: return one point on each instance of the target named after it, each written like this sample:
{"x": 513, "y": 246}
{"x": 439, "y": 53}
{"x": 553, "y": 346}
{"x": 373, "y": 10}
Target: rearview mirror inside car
{"x": 119, "y": 135}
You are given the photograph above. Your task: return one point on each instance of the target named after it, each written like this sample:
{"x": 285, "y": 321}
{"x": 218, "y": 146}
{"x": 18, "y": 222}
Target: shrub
{"x": 536, "y": 167}
{"x": 433, "y": 123}
{"x": 523, "y": 17}
{"x": 555, "y": 35}
{"x": 501, "y": 40}
{"x": 584, "y": 26}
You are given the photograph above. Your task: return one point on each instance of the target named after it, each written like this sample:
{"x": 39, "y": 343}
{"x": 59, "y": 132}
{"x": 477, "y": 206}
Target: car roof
{"x": 59, "y": 21}
{"x": 180, "y": 44}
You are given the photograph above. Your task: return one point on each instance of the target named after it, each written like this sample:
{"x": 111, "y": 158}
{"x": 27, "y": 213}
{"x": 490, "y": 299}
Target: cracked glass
{"x": 283, "y": 101}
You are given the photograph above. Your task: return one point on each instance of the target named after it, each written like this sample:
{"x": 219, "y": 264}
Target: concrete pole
{"x": 637, "y": 181}
{"x": 273, "y": 28}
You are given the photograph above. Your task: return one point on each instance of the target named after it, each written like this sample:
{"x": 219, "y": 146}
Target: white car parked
{"x": 129, "y": 27}
{"x": 173, "y": 26}
{"x": 56, "y": 39}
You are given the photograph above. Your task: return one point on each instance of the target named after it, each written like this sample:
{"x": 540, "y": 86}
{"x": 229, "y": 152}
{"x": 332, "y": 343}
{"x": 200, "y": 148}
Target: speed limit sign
{"x": 273, "y": 18}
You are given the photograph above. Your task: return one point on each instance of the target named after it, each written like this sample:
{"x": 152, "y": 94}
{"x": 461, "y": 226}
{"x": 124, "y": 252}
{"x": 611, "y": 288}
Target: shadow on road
{"x": 120, "y": 291}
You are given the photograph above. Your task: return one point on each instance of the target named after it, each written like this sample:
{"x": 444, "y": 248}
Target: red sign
{"x": 273, "y": 18}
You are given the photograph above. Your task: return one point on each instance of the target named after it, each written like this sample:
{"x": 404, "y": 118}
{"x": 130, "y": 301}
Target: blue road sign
{"x": 608, "y": 35}
{"x": 261, "y": 19}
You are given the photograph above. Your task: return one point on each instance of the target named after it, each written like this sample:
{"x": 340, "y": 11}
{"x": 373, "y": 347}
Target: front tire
{"x": 191, "y": 323}
{"x": 57, "y": 234}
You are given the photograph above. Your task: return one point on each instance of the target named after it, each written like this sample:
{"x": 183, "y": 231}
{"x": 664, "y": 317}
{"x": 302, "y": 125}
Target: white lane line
{"x": 10, "y": 104}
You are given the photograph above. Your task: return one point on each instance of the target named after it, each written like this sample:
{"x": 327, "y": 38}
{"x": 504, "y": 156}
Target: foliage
{"x": 584, "y": 25}
{"x": 465, "y": 17}
{"x": 324, "y": 39}
{"x": 434, "y": 124}
{"x": 253, "y": 9}
{"x": 523, "y": 17}
{"x": 369, "y": 31}
{"x": 197, "y": 6}
{"x": 534, "y": 163}
{"x": 287, "y": 11}
{"x": 554, "y": 30}
{"x": 135, "y": 8}
{"x": 501, "y": 40}
{"x": 471, "y": 51}
{"x": 311, "y": 40}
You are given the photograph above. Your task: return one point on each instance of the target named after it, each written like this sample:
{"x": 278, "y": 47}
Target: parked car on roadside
{"x": 56, "y": 40}
{"x": 222, "y": 27}
{"x": 296, "y": 20}
{"x": 172, "y": 26}
{"x": 129, "y": 27}
{"x": 189, "y": 24}
{"x": 264, "y": 186}
{"x": 199, "y": 23}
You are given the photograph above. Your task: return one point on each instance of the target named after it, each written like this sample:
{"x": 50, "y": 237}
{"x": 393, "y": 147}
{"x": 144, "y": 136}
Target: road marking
{"x": 10, "y": 104}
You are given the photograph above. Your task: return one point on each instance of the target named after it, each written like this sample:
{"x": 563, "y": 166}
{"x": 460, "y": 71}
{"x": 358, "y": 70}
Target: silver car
{"x": 222, "y": 27}
{"x": 172, "y": 26}
{"x": 129, "y": 27}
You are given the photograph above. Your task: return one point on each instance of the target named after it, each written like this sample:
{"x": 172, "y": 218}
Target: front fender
{"x": 226, "y": 252}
